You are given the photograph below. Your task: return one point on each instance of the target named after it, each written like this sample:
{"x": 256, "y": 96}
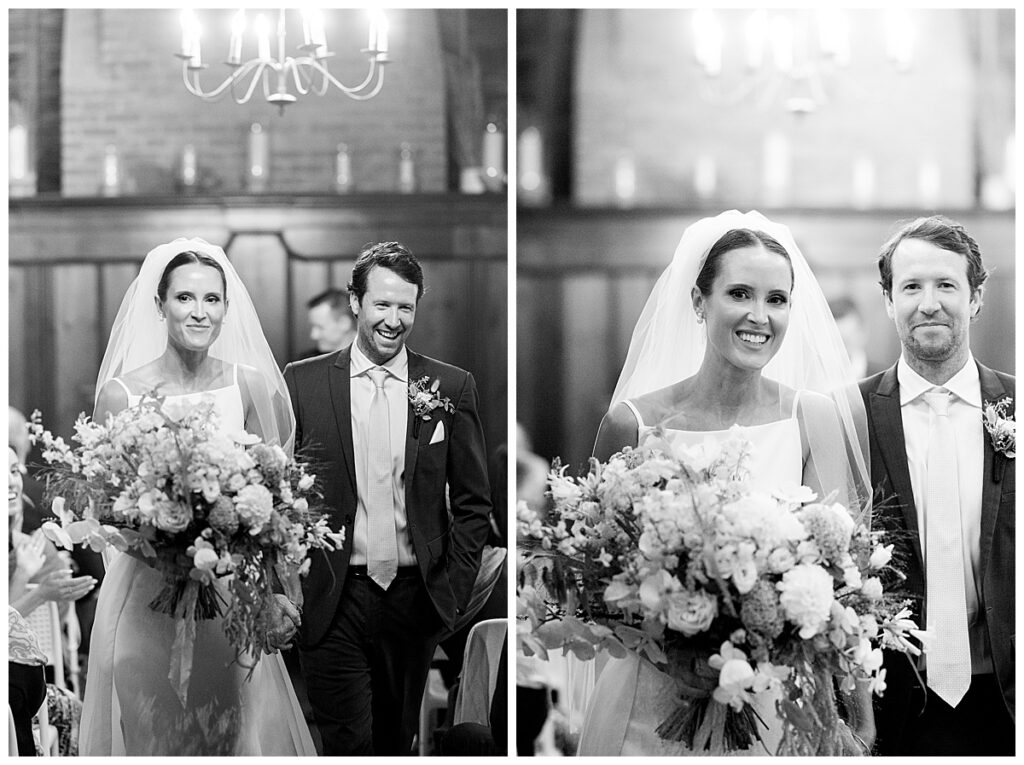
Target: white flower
{"x": 872, "y": 588}
{"x": 806, "y": 598}
{"x": 306, "y": 482}
{"x": 744, "y": 575}
{"x": 254, "y": 505}
{"x": 881, "y": 556}
{"x": 205, "y": 558}
{"x": 851, "y": 576}
{"x": 691, "y": 612}
{"x": 781, "y": 560}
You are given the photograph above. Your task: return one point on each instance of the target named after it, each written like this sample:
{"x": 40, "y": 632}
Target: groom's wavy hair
{"x": 394, "y": 256}
{"x": 733, "y": 240}
{"x": 944, "y": 233}
{"x": 182, "y": 259}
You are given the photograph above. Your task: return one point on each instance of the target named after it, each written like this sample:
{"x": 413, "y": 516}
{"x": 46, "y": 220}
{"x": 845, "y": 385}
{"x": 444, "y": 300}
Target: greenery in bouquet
{"x": 667, "y": 551}
{"x": 214, "y": 512}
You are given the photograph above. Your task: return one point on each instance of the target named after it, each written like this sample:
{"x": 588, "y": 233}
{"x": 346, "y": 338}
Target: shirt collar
{"x": 965, "y": 384}
{"x": 397, "y": 366}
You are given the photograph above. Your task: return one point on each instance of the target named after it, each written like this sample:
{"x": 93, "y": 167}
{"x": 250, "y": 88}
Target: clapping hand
{"x": 31, "y": 555}
{"x": 284, "y": 623}
{"x": 59, "y": 585}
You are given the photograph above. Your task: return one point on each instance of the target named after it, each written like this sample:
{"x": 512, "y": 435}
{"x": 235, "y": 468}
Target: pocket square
{"x": 438, "y": 436}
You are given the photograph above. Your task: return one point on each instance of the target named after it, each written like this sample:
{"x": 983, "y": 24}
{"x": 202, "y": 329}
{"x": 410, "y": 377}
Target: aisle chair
{"x": 479, "y": 672}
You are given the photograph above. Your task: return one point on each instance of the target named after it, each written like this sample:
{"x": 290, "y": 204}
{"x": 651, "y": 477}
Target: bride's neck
{"x": 187, "y": 368}
{"x": 726, "y": 390}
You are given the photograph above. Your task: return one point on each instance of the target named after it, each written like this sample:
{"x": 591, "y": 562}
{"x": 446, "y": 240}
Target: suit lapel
{"x": 416, "y": 371}
{"x": 339, "y": 380}
{"x": 888, "y": 419}
{"x": 991, "y": 391}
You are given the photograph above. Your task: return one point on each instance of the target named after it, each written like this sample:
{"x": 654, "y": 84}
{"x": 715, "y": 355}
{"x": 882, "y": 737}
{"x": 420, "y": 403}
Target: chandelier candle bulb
{"x": 190, "y": 38}
{"x": 262, "y": 38}
{"x": 235, "y": 44}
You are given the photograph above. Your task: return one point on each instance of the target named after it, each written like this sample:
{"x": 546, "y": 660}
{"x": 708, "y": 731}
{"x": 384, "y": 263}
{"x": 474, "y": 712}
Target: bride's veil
{"x": 668, "y": 345}
{"x": 138, "y": 337}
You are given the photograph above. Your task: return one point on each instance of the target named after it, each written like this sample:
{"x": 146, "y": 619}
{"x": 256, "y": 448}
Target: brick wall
{"x": 122, "y": 85}
{"x": 638, "y": 100}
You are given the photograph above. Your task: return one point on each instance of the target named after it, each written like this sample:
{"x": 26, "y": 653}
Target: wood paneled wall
{"x": 583, "y": 277}
{"x": 71, "y": 261}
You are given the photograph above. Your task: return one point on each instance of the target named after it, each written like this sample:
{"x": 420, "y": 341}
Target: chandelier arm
{"x": 193, "y": 86}
{"x": 301, "y": 87}
{"x": 376, "y": 70}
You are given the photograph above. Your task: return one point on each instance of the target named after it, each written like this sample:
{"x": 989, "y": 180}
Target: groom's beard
{"x": 936, "y": 351}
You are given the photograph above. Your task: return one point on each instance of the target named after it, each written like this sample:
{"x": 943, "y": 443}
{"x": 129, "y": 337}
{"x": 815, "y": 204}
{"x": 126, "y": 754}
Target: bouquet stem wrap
{"x": 186, "y": 601}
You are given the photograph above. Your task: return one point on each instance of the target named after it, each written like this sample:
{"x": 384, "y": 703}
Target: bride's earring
{"x": 700, "y": 317}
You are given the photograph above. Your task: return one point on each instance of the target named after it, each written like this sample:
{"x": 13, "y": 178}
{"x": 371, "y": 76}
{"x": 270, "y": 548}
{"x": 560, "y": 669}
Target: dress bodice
{"x": 227, "y": 402}
{"x": 777, "y": 455}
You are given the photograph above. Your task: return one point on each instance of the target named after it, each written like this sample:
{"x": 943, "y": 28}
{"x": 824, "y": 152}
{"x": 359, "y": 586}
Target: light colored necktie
{"x": 949, "y": 658}
{"x": 382, "y": 546}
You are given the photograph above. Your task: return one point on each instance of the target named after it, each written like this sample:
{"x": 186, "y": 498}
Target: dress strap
{"x": 636, "y": 413}
{"x": 120, "y": 382}
{"x": 235, "y": 373}
{"x": 796, "y": 399}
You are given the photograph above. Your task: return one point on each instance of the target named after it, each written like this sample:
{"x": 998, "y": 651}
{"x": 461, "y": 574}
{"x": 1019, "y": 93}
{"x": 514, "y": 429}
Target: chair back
{"x": 480, "y": 671}
{"x": 45, "y": 623}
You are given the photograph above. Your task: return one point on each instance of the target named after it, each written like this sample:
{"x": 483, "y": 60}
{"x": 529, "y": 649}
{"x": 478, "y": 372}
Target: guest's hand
{"x": 60, "y": 586}
{"x": 31, "y": 555}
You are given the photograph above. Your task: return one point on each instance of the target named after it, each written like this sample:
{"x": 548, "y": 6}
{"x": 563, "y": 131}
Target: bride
{"x": 187, "y": 330}
{"x": 735, "y": 332}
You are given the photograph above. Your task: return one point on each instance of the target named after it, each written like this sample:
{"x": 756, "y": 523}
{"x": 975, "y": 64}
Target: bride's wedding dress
{"x": 131, "y": 707}
{"x": 632, "y": 696}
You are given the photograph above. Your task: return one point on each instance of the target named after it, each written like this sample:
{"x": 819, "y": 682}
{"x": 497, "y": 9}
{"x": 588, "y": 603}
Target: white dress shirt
{"x": 396, "y": 386}
{"x": 965, "y": 413}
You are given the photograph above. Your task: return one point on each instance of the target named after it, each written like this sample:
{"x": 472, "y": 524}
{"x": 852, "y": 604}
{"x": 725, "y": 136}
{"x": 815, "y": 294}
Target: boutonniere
{"x": 424, "y": 399}
{"x": 1000, "y": 422}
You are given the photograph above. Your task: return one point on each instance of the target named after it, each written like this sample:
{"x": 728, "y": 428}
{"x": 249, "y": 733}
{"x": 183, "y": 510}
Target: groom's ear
{"x": 977, "y": 300}
{"x": 887, "y": 299}
{"x": 353, "y": 303}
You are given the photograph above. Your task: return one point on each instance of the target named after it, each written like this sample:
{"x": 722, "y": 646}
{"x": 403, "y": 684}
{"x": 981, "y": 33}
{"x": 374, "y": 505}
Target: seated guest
{"x": 26, "y": 680}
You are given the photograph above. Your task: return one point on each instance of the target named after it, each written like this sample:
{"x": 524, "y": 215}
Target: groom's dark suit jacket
{"x": 895, "y": 509}
{"x": 447, "y": 543}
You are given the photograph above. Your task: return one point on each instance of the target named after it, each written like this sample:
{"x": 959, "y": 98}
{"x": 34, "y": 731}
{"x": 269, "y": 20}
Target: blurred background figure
{"x": 851, "y": 326}
{"x": 331, "y": 323}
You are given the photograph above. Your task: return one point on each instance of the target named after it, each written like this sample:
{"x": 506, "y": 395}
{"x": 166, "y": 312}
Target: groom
{"x": 408, "y": 483}
{"x": 947, "y": 489}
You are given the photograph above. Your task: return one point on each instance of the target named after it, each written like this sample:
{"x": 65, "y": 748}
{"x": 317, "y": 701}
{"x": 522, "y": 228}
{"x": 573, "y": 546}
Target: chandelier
{"x": 785, "y": 55}
{"x": 283, "y": 78}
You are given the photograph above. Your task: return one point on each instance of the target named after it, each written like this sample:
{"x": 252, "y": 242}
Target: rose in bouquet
{"x": 667, "y": 551}
{"x": 223, "y": 517}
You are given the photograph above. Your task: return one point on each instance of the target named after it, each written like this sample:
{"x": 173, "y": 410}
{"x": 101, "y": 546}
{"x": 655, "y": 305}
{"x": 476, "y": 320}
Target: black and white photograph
{"x": 765, "y": 399}
{"x": 252, "y": 510}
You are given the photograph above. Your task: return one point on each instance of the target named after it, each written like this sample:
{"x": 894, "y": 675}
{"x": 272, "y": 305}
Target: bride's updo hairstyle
{"x": 736, "y": 239}
{"x": 184, "y": 258}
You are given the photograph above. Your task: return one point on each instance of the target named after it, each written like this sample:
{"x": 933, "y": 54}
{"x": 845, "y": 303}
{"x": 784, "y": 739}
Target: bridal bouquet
{"x": 666, "y": 550}
{"x": 167, "y": 485}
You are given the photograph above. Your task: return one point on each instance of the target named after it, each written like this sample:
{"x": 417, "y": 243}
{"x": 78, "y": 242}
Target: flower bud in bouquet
{"x": 881, "y": 556}
{"x": 872, "y": 588}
